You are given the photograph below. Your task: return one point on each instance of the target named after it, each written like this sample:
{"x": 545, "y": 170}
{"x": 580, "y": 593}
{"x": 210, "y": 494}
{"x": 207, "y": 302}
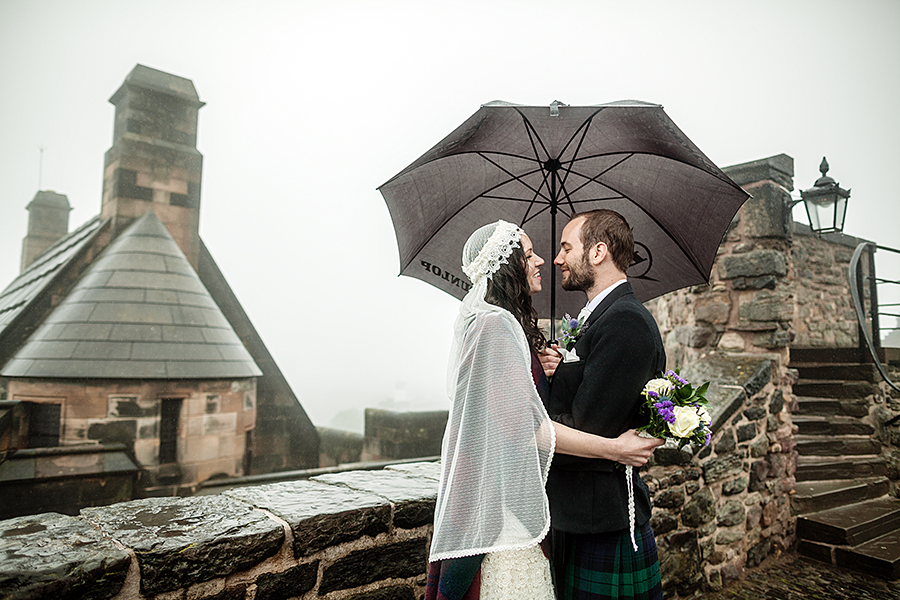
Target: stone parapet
{"x": 337, "y": 536}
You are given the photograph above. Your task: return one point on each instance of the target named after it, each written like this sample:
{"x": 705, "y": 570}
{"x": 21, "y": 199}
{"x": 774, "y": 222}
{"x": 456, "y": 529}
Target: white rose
{"x": 704, "y": 415}
{"x": 686, "y": 421}
{"x": 661, "y": 386}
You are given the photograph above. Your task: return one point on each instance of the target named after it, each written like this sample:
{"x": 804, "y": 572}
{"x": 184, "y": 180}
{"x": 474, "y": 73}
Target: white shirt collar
{"x": 589, "y": 308}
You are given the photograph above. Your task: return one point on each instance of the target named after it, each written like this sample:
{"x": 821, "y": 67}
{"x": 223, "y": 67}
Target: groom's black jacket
{"x": 620, "y": 349}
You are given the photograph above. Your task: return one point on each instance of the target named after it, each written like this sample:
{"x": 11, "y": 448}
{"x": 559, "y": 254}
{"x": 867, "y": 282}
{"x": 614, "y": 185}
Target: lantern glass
{"x": 826, "y": 212}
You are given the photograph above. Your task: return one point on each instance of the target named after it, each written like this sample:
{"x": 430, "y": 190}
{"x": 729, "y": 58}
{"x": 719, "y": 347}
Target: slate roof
{"x": 139, "y": 312}
{"x": 25, "y": 288}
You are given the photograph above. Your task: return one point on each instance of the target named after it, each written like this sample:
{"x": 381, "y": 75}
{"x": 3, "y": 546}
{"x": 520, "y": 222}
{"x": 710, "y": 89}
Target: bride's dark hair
{"x": 508, "y": 288}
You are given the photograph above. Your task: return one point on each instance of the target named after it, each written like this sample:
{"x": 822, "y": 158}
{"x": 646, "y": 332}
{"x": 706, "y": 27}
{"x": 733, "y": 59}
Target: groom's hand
{"x": 549, "y": 358}
{"x": 635, "y": 450}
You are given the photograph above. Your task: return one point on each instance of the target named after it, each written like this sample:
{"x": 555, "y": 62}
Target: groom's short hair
{"x": 611, "y": 228}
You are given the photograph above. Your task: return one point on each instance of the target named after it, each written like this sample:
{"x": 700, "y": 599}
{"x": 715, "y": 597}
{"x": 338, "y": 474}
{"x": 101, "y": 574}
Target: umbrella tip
{"x": 554, "y": 107}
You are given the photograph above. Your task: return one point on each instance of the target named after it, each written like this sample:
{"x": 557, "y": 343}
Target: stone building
{"x": 123, "y": 334}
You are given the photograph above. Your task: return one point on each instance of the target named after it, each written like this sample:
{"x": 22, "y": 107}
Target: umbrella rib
{"x": 595, "y": 178}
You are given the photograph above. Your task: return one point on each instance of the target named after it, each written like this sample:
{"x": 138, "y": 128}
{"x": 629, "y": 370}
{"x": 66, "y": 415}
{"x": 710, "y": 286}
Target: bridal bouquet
{"x": 676, "y": 410}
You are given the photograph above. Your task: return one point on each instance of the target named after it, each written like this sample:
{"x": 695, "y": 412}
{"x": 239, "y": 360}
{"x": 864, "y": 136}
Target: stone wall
{"x": 354, "y": 535}
{"x": 396, "y": 435}
{"x": 824, "y": 315}
{"x": 727, "y": 506}
{"x": 338, "y": 447}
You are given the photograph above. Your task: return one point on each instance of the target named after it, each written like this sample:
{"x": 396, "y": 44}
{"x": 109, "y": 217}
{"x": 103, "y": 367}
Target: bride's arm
{"x": 628, "y": 449}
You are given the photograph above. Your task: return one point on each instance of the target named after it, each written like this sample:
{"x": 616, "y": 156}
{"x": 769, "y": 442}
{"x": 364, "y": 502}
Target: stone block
{"x": 722, "y": 467}
{"x": 726, "y": 442}
{"x": 766, "y": 306}
{"x": 755, "y": 413}
{"x": 735, "y": 486}
{"x": 662, "y": 522}
{"x": 730, "y": 514}
{"x": 778, "y": 168}
{"x": 765, "y": 282}
{"x": 759, "y": 448}
{"x": 757, "y": 553}
{"x": 758, "y": 263}
{"x": 320, "y": 515}
{"x": 413, "y": 497}
{"x": 754, "y": 515}
{"x": 680, "y": 562}
{"x": 700, "y": 509}
{"x": 670, "y": 498}
{"x": 694, "y": 336}
{"x": 57, "y": 556}
{"x": 766, "y": 214}
{"x": 746, "y": 432}
{"x": 732, "y": 341}
{"x": 400, "y": 561}
{"x": 715, "y": 309}
{"x": 182, "y": 541}
{"x": 291, "y": 583}
{"x": 725, "y": 538}
{"x": 772, "y": 339}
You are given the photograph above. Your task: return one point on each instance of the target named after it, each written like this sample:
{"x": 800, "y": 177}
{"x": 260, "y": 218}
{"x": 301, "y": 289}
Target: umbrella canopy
{"x": 537, "y": 166}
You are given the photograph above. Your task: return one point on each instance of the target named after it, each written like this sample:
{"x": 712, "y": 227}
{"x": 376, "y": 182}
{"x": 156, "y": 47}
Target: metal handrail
{"x": 857, "y": 283}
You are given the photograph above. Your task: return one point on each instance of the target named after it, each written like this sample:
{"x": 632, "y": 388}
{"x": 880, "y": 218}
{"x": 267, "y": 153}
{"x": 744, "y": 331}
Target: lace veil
{"x": 499, "y": 441}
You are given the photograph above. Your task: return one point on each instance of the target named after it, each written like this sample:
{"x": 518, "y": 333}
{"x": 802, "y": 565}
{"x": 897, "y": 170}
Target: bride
{"x": 492, "y": 513}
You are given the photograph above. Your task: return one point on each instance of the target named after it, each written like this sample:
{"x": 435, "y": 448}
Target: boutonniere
{"x": 571, "y": 329}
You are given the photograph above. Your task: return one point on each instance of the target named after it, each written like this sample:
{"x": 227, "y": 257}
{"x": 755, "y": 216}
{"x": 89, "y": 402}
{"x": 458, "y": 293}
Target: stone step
{"x": 838, "y": 445}
{"x": 828, "y": 355}
{"x": 811, "y": 405}
{"x": 879, "y": 557}
{"x": 828, "y": 388}
{"x": 831, "y": 425}
{"x": 818, "y": 468}
{"x": 815, "y": 496}
{"x": 851, "y": 525}
{"x": 837, "y": 371}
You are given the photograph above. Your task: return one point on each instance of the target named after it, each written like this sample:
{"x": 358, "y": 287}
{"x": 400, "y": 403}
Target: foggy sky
{"x": 312, "y": 105}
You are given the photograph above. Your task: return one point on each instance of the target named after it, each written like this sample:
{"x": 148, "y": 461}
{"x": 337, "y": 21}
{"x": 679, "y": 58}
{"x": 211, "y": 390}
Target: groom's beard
{"x": 581, "y": 277}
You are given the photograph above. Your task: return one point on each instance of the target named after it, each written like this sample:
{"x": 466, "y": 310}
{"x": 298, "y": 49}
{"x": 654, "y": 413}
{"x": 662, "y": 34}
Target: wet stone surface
{"x": 413, "y": 499}
{"x": 791, "y": 577}
{"x": 431, "y": 470}
{"x": 182, "y": 541}
{"x": 58, "y": 556}
{"x": 320, "y": 515}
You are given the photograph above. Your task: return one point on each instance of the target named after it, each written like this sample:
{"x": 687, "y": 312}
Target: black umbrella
{"x": 537, "y": 166}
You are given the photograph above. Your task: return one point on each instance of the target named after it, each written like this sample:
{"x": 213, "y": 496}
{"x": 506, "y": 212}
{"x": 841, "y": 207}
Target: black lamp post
{"x": 826, "y": 203}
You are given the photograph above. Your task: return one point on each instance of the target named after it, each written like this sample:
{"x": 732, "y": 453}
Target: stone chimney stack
{"x": 48, "y": 221}
{"x": 153, "y": 163}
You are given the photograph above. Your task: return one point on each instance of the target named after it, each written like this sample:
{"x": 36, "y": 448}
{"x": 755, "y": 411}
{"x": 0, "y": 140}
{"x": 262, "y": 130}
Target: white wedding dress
{"x": 516, "y": 575}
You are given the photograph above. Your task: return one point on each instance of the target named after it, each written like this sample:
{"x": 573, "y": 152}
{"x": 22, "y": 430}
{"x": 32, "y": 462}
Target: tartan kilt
{"x": 605, "y": 566}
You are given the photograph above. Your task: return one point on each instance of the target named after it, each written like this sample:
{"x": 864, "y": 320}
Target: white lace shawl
{"x": 498, "y": 443}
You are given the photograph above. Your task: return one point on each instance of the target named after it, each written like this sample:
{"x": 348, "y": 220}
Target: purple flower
{"x": 665, "y": 409}
{"x": 674, "y": 376}
{"x": 652, "y": 394}
{"x": 573, "y": 323}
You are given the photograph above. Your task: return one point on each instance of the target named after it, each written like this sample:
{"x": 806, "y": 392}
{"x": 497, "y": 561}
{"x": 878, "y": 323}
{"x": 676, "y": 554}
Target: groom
{"x": 598, "y": 389}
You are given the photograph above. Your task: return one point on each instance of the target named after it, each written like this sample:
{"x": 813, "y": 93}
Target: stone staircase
{"x": 845, "y": 515}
